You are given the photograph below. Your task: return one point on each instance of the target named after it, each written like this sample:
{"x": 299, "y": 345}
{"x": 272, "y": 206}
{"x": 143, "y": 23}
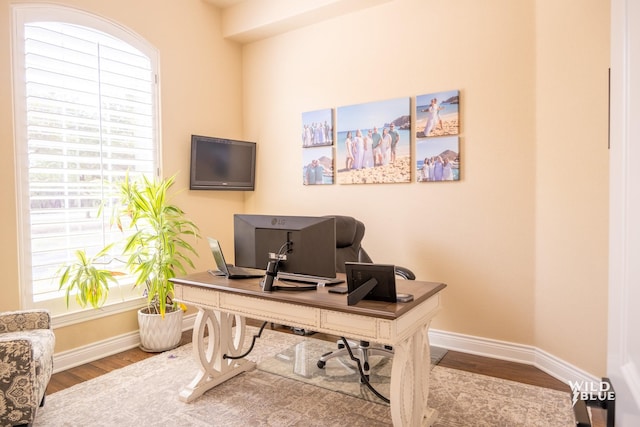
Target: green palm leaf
{"x": 154, "y": 252}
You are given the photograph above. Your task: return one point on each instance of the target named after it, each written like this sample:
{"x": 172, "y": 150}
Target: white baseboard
{"x": 502, "y": 350}
{"x": 513, "y": 352}
{"x": 88, "y": 353}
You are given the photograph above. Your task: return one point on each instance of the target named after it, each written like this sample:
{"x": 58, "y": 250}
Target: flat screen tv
{"x": 222, "y": 164}
{"x": 303, "y": 244}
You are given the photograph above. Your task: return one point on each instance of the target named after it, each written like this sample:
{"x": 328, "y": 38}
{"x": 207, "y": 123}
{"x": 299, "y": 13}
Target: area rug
{"x": 146, "y": 394}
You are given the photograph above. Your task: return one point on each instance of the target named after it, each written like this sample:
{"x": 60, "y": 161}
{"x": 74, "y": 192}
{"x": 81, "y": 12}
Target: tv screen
{"x": 307, "y": 244}
{"x": 222, "y": 164}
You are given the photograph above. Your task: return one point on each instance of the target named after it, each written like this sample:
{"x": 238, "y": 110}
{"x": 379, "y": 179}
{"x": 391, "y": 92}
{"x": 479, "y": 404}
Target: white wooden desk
{"x": 224, "y": 303}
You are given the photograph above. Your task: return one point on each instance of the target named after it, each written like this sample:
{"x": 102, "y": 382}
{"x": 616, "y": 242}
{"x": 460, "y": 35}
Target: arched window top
{"x": 50, "y": 13}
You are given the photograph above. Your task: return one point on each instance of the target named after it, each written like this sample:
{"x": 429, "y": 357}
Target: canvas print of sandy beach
{"x": 437, "y": 114}
{"x": 317, "y": 166}
{"x": 373, "y": 142}
{"x": 317, "y": 128}
{"x": 438, "y": 159}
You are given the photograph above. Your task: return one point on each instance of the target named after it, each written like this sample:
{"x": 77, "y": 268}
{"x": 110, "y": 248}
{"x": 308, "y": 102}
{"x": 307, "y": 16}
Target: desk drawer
{"x": 197, "y": 296}
{"x": 278, "y": 312}
{"x": 356, "y": 326}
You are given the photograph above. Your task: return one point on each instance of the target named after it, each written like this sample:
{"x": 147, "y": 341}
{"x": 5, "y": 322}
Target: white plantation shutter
{"x": 88, "y": 118}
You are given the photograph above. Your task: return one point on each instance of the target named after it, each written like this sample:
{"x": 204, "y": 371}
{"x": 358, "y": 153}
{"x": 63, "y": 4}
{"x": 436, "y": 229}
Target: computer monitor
{"x": 303, "y": 244}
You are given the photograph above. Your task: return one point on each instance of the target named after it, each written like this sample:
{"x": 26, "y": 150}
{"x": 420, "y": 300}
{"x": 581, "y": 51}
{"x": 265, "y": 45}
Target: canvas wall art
{"x": 438, "y": 159}
{"x": 317, "y": 165}
{"x": 373, "y": 142}
{"x": 317, "y": 128}
{"x": 437, "y": 114}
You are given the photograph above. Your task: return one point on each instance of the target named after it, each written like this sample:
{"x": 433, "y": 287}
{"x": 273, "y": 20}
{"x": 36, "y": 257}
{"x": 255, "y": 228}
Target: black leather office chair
{"x": 349, "y": 235}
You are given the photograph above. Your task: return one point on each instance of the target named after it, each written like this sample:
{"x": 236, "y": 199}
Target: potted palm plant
{"x": 154, "y": 251}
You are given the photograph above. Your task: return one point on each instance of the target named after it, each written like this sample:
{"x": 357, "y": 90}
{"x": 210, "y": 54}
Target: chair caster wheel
{"x": 321, "y": 364}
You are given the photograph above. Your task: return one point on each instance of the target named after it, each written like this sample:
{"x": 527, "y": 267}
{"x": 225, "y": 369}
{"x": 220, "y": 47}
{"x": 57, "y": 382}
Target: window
{"x": 86, "y": 115}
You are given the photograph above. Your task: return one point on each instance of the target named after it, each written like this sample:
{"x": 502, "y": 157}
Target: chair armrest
{"x": 405, "y": 273}
{"x": 14, "y": 321}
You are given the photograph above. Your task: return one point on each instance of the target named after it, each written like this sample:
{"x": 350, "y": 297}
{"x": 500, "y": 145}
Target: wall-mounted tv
{"x": 222, "y": 164}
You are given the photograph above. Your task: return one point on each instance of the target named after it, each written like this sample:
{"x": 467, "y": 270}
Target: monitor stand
{"x": 305, "y": 278}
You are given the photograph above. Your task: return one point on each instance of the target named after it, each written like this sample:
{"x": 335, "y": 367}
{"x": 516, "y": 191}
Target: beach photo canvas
{"x": 317, "y": 165}
{"x": 317, "y": 128}
{"x": 437, "y": 114}
{"x": 438, "y": 159}
{"x": 373, "y": 142}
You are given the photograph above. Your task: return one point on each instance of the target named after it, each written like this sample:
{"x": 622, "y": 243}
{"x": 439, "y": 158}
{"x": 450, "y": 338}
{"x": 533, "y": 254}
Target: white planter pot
{"x": 158, "y": 334}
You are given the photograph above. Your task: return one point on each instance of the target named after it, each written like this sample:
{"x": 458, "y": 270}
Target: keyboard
{"x": 305, "y": 278}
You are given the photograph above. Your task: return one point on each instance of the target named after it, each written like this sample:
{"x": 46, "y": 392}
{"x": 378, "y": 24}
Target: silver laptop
{"x": 229, "y": 270}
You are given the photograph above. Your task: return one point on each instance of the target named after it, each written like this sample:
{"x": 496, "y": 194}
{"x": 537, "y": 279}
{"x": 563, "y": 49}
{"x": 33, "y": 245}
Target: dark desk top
{"x": 320, "y": 298}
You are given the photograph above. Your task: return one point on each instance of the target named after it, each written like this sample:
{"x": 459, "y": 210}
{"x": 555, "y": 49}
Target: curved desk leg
{"x": 223, "y": 339}
{"x": 410, "y": 381}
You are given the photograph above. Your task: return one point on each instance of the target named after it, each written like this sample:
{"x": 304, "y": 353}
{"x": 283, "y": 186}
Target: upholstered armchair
{"x": 26, "y": 364}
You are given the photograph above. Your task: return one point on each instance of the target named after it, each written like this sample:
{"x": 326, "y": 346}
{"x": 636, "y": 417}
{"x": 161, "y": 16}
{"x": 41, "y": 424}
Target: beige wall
{"x": 200, "y": 85}
{"x": 572, "y": 181}
{"x": 521, "y": 240}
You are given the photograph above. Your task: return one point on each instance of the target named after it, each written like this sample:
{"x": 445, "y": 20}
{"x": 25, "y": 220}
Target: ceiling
{"x": 223, "y": 4}
{"x": 245, "y": 21}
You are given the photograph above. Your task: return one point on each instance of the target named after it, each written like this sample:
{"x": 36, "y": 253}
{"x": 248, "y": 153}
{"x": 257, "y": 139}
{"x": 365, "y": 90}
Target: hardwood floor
{"x": 506, "y": 370}
{"x": 467, "y": 362}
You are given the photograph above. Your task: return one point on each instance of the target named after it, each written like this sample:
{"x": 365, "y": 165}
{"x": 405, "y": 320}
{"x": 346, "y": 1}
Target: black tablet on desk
{"x": 370, "y": 281}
